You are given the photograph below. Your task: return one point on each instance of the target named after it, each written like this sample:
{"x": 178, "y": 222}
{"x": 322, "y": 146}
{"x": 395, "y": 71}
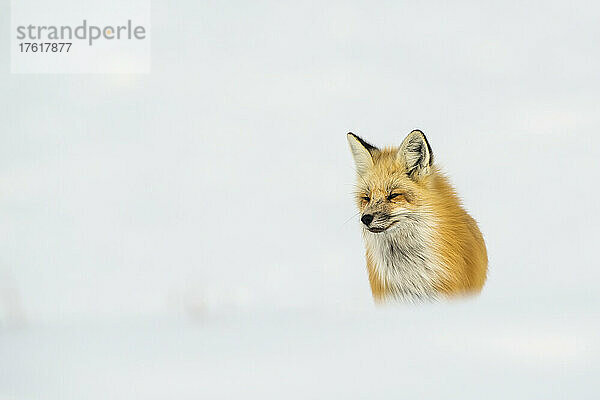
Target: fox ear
{"x": 416, "y": 153}
{"x": 362, "y": 153}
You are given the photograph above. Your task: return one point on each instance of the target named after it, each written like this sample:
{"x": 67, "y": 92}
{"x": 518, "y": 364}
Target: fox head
{"x": 392, "y": 182}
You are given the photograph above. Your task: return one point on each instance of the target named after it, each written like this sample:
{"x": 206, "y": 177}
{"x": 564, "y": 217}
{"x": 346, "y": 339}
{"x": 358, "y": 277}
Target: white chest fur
{"x": 405, "y": 262}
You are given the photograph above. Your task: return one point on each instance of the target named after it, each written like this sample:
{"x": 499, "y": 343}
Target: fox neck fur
{"x": 400, "y": 263}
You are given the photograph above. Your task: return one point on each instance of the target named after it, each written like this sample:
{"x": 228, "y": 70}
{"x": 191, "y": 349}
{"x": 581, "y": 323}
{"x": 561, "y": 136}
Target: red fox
{"x": 420, "y": 243}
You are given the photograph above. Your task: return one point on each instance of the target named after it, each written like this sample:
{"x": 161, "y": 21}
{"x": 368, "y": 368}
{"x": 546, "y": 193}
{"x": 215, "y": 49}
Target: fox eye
{"x": 393, "y": 196}
{"x": 366, "y": 198}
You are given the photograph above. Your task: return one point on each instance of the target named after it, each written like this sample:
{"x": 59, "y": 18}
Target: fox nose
{"x": 367, "y": 219}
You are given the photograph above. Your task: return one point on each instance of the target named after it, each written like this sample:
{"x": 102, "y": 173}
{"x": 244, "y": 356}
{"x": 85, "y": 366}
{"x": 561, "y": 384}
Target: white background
{"x": 191, "y": 233}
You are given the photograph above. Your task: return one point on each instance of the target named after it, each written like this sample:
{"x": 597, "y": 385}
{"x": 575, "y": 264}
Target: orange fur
{"x": 458, "y": 242}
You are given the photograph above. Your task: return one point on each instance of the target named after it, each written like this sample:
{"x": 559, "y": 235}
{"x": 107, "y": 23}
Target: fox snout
{"x": 367, "y": 219}
{"x": 376, "y": 222}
